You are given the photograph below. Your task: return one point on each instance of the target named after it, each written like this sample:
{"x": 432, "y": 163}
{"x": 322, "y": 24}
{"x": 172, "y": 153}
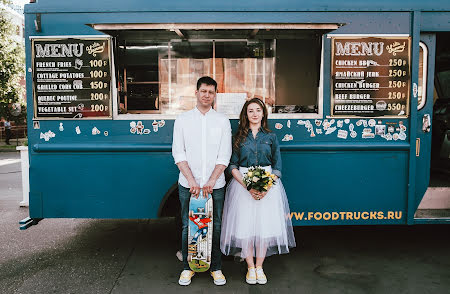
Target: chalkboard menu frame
{"x": 72, "y": 77}
{"x": 375, "y": 75}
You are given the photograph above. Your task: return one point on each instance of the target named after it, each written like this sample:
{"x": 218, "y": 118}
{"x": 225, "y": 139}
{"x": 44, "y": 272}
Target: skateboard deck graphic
{"x": 200, "y": 232}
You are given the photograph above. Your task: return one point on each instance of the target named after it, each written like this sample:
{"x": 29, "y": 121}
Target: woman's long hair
{"x": 244, "y": 123}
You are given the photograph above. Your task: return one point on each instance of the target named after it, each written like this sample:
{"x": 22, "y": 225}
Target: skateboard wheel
{"x": 191, "y": 213}
{"x": 208, "y": 259}
{"x": 210, "y": 214}
{"x": 189, "y": 258}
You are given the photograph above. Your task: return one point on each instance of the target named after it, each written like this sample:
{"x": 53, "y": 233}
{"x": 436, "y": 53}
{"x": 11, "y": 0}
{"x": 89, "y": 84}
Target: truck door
{"x": 432, "y": 196}
{"x": 424, "y": 114}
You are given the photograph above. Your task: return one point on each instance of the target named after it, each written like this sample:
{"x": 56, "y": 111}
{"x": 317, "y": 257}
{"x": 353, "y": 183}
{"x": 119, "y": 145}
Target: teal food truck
{"x": 349, "y": 85}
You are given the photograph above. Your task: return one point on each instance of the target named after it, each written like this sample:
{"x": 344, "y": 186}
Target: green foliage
{"x": 259, "y": 179}
{"x": 12, "y": 59}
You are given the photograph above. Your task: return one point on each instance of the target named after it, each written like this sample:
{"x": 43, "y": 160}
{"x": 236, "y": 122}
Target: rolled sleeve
{"x": 224, "y": 154}
{"x": 178, "y": 148}
{"x": 276, "y": 172}
{"x": 276, "y": 157}
{"x": 234, "y": 161}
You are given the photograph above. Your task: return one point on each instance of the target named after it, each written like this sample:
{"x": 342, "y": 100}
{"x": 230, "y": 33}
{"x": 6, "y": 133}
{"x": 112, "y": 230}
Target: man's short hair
{"x": 207, "y": 81}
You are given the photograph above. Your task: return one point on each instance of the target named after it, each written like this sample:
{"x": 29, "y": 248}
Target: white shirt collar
{"x": 211, "y": 110}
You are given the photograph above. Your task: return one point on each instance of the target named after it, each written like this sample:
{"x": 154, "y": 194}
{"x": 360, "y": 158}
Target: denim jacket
{"x": 263, "y": 150}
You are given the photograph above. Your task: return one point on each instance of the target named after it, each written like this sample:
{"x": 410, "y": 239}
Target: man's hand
{"x": 208, "y": 187}
{"x": 194, "y": 188}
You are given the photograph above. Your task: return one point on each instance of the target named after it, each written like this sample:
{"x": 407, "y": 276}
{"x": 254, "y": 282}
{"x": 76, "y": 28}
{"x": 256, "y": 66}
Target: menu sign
{"x": 72, "y": 77}
{"x": 370, "y": 76}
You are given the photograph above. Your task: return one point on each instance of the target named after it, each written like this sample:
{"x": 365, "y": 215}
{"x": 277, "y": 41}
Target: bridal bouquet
{"x": 259, "y": 179}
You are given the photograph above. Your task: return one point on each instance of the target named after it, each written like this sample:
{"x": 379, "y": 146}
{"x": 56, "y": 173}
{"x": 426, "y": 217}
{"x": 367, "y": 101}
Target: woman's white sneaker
{"x": 250, "y": 278}
{"x": 260, "y": 276}
{"x": 185, "y": 277}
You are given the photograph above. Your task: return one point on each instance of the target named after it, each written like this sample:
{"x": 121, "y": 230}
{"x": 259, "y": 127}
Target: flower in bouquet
{"x": 259, "y": 179}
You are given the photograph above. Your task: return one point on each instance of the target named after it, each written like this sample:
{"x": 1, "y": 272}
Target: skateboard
{"x": 200, "y": 232}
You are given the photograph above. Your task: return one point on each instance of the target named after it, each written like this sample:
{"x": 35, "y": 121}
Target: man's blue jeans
{"x": 218, "y": 198}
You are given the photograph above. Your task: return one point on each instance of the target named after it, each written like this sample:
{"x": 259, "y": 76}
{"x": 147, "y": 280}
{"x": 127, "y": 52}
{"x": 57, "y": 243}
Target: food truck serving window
{"x": 158, "y": 69}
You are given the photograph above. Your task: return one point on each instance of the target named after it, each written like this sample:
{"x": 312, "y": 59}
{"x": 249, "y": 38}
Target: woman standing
{"x": 255, "y": 224}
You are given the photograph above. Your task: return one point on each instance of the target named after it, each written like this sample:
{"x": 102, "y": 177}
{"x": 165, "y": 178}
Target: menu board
{"x": 71, "y": 77}
{"x": 370, "y": 76}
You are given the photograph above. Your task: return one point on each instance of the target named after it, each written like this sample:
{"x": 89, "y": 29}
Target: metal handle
{"x": 426, "y": 123}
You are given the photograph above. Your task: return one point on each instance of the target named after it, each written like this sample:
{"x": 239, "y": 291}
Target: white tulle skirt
{"x": 256, "y": 227}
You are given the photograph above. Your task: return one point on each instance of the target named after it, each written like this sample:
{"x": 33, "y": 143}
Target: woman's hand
{"x": 238, "y": 177}
{"x": 259, "y": 195}
{"x": 255, "y": 194}
{"x": 263, "y": 194}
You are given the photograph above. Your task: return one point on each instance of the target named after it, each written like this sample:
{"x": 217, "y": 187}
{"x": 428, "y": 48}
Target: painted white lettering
{"x": 45, "y": 64}
{"x": 71, "y": 75}
{"x": 66, "y": 98}
{"x": 64, "y": 64}
{"x": 46, "y": 98}
{"x": 346, "y": 62}
{"x": 372, "y": 74}
{"x": 59, "y": 50}
{"x": 46, "y": 75}
{"x": 47, "y": 87}
{"x": 340, "y": 96}
{"x": 65, "y": 86}
{"x": 359, "y": 48}
{"x": 349, "y": 74}
{"x": 353, "y": 107}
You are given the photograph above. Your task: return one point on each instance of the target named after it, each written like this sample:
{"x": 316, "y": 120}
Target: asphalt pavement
{"x": 138, "y": 256}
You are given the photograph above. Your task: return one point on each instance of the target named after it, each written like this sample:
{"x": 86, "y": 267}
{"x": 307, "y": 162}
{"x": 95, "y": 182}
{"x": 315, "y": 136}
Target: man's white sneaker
{"x": 185, "y": 277}
{"x": 219, "y": 278}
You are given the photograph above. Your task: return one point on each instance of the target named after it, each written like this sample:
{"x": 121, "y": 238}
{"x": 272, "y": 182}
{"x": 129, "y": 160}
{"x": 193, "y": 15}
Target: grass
{"x": 8, "y": 148}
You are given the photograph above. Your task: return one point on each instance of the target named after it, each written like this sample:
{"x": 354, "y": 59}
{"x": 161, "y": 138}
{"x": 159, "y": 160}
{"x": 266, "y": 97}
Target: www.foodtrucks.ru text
{"x": 345, "y": 215}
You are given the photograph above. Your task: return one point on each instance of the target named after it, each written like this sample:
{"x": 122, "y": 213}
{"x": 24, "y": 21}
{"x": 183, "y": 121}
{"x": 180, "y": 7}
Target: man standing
{"x": 202, "y": 150}
{"x": 7, "y": 126}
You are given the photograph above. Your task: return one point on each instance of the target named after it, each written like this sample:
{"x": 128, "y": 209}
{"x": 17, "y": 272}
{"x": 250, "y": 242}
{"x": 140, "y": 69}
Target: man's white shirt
{"x": 203, "y": 141}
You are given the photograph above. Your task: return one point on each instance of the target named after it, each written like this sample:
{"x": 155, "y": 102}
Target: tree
{"x": 12, "y": 69}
